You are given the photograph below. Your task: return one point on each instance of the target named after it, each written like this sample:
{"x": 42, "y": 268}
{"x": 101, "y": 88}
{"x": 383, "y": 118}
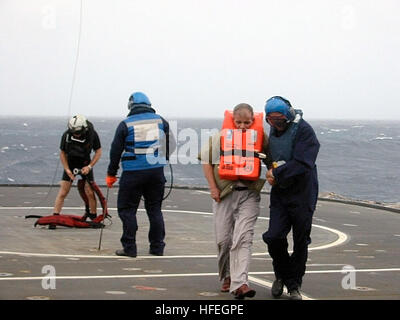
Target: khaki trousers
{"x": 234, "y": 219}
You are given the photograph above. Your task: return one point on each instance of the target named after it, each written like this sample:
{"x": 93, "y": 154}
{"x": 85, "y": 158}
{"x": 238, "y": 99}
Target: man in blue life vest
{"x": 294, "y": 148}
{"x": 142, "y": 143}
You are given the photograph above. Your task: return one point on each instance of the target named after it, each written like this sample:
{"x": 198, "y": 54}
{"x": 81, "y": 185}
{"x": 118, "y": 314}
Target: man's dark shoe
{"x": 121, "y": 252}
{"x": 277, "y": 288}
{"x": 294, "y": 294}
{"x": 156, "y": 253}
{"x": 244, "y": 291}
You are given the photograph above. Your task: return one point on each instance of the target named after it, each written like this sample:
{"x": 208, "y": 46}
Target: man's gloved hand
{"x": 110, "y": 180}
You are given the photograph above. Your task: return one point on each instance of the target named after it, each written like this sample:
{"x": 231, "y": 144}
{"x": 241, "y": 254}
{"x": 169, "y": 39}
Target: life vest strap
{"x": 145, "y": 150}
{"x": 242, "y": 153}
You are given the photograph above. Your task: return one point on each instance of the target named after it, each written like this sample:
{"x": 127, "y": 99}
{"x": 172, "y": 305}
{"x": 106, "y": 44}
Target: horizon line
{"x": 190, "y": 117}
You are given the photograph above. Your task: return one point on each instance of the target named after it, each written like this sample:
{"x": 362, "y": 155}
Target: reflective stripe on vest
{"x": 143, "y": 142}
{"x": 239, "y": 149}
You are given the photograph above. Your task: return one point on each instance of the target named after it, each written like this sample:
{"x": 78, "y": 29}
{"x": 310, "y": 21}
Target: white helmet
{"x": 77, "y": 124}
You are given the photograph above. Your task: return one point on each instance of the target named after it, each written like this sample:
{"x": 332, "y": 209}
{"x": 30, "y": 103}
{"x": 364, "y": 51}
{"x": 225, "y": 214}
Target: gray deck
{"x": 367, "y": 239}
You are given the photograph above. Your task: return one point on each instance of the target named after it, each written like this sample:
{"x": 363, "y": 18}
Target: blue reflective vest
{"x": 144, "y": 142}
{"x": 281, "y": 147}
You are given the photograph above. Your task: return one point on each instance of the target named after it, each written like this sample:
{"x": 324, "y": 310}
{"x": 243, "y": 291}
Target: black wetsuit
{"x": 78, "y": 151}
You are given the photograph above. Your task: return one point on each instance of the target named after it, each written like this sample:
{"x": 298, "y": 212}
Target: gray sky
{"x": 333, "y": 59}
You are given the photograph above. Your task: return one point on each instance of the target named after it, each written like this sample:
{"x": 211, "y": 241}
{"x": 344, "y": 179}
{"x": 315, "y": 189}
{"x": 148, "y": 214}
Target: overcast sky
{"x": 333, "y": 59}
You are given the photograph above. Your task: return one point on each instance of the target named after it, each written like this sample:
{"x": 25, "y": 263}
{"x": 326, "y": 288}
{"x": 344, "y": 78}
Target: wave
{"x": 383, "y": 138}
{"x": 337, "y": 130}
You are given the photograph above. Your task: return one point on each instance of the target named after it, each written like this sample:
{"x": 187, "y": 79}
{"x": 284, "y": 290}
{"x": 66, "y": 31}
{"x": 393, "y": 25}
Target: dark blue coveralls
{"x": 134, "y": 184}
{"x": 293, "y": 207}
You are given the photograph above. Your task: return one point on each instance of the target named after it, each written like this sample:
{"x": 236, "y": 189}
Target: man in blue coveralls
{"x": 294, "y": 148}
{"x": 142, "y": 144}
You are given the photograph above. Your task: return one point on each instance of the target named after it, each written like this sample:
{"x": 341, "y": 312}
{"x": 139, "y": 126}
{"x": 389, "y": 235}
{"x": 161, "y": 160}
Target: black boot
{"x": 91, "y": 216}
{"x": 294, "y": 294}
{"x": 121, "y": 252}
{"x": 277, "y": 288}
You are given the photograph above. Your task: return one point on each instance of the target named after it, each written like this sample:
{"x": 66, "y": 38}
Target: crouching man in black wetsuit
{"x": 76, "y": 146}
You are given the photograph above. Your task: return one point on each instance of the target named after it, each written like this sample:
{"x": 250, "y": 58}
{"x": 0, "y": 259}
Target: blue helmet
{"x": 138, "y": 98}
{"x": 281, "y": 105}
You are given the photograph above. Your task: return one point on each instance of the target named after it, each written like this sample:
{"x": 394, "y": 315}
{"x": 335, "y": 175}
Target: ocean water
{"x": 358, "y": 159}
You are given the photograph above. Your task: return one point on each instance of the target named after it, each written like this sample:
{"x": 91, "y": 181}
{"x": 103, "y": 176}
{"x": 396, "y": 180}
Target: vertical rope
{"x": 70, "y": 98}
{"x": 76, "y": 59}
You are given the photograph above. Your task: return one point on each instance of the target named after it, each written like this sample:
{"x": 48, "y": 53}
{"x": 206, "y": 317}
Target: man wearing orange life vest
{"x": 233, "y": 155}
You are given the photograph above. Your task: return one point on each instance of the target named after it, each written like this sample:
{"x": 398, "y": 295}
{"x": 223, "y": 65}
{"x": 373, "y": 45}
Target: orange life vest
{"x": 239, "y": 149}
